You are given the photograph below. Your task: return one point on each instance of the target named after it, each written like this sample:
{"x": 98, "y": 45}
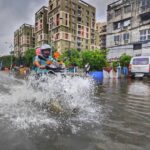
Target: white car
{"x": 140, "y": 66}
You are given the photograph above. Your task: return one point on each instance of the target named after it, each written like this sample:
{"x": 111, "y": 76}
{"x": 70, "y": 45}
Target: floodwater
{"x": 113, "y": 115}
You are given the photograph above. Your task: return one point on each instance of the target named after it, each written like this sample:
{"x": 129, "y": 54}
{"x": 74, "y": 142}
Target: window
{"x": 67, "y": 9}
{"x": 66, "y": 36}
{"x": 57, "y": 36}
{"x": 122, "y": 24}
{"x": 40, "y": 37}
{"x": 51, "y": 7}
{"x": 92, "y": 41}
{"x": 117, "y": 25}
{"x": 41, "y": 26}
{"x": 58, "y": 2}
{"x": 79, "y": 19}
{"x": 66, "y": 23}
{"x": 140, "y": 61}
{"x": 73, "y": 25}
{"x": 87, "y": 18}
{"x": 79, "y": 12}
{"x": 127, "y": 9}
{"x": 87, "y": 35}
{"x": 73, "y": 6}
{"x": 144, "y": 3}
{"x": 79, "y": 7}
{"x": 93, "y": 15}
{"x": 148, "y": 34}
{"x": 87, "y": 12}
{"x": 126, "y": 36}
{"x": 27, "y": 41}
{"x": 117, "y": 12}
{"x": 116, "y": 38}
{"x": 73, "y": 19}
{"x": 57, "y": 19}
{"x": 110, "y": 16}
{"x": 137, "y": 46}
{"x": 73, "y": 12}
{"x": 145, "y": 35}
{"x": 66, "y": 16}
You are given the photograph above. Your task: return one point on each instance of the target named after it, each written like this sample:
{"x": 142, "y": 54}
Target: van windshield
{"x": 140, "y": 61}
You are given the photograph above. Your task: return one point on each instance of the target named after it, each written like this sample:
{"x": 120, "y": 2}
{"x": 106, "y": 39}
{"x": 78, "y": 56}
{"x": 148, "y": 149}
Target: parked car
{"x": 140, "y": 66}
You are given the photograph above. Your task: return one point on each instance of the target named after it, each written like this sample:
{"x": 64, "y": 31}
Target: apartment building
{"x": 71, "y": 24}
{"x": 101, "y": 31}
{"x": 16, "y": 43}
{"x": 41, "y": 27}
{"x": 23, "y": 39}
{"x": 128, "y": 28}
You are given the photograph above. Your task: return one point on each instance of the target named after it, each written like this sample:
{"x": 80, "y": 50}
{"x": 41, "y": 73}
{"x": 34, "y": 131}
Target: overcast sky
{"x": 13, "y": 13}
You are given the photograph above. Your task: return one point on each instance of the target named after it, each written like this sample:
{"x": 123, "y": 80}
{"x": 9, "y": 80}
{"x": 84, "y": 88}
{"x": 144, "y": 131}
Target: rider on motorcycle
{"x": 43, "y": 59}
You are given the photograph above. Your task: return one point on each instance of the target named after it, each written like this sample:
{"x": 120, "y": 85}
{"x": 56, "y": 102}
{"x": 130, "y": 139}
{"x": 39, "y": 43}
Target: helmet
{"x": 38, "y": 51}
{"x": 46, "y": 50}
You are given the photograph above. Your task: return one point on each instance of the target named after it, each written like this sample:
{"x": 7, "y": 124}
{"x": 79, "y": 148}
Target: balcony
{"x": 144, "y": 10}
{"x": 79, "y": 12}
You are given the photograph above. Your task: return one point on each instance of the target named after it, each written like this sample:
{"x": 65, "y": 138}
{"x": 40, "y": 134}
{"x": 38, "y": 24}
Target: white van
{"x": 140, "y": 66}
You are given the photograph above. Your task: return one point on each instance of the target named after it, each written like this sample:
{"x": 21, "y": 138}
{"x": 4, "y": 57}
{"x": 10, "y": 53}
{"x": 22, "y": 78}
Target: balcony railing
{"x": 144, "y": 9}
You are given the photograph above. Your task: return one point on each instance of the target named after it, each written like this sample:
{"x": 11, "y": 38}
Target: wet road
{"x": 123, "y": 122}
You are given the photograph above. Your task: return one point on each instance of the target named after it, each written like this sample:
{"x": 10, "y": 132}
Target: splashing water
{"x": 23, "y": 104}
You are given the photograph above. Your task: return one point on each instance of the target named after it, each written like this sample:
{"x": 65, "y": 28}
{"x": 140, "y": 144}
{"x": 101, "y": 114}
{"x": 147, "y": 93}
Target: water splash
{"x": 23, "y": 105}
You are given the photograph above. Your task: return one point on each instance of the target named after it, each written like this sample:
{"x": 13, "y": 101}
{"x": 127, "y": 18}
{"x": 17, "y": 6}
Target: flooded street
{"x": 114, "y": 115}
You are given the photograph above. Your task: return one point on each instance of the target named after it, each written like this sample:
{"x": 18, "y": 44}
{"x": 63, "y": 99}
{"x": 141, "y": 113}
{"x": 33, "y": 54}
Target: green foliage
{"x": 71, "y": 57}
{"x": 115, "y": 64}
{"x": 6, "y": 60}
{"x": 125, "y": 60}
{"x": 96, "y": 58}
{"x": 29, "y": 55}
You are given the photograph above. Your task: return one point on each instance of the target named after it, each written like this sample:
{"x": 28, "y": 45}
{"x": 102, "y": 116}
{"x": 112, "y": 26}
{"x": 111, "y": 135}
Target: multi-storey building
{"x": 101, "y": 32}
{"x": 71, "y": 24}
{"x": 23, "y": 39}
{"x": 41, "y": 27}
{"x": 16, "y": 43}
{"x": 128, "y": 28}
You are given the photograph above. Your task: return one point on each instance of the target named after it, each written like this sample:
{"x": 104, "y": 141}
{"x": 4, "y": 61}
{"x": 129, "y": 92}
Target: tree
{"x": 125, "y": 60}
{"x": 96, "y": 59}
{"x": 29, "y": 55}
{"x": 6, "y": 60}
{"x": 71, "y": 57}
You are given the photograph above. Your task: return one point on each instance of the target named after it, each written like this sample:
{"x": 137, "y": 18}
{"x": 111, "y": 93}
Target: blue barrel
{"x": 125, "y": 71}
{"x": 119, "y": 71}
{"x": 97, "y": 75}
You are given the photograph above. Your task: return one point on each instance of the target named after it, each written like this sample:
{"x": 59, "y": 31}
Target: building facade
{"x": 23, "y": 39}
{"x": 101, "y": 32}
{"x": 128, "y": 28}
{"x": 16, "y": 43}
{"x": 41, "y": 27}
{"x": 71, "y": 24}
